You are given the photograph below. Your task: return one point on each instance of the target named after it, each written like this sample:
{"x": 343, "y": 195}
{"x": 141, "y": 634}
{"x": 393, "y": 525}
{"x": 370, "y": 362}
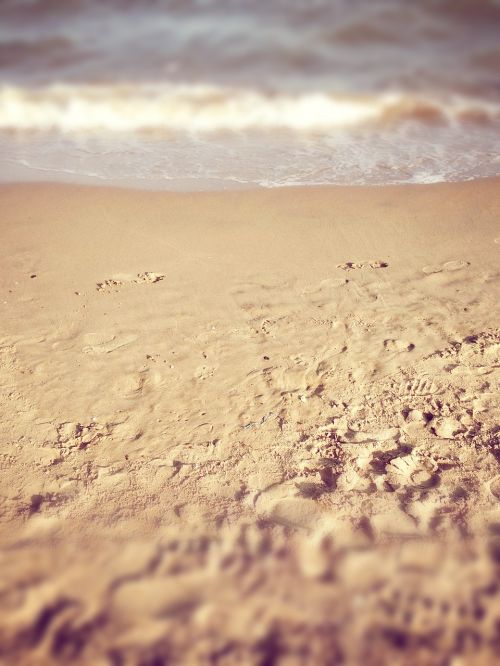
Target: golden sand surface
{"x": 250, "y": 428}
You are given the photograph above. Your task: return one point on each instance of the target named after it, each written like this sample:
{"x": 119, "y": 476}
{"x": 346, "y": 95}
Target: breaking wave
{"x": 206, "y": 108}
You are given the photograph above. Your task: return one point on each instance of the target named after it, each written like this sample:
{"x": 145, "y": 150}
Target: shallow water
{"x": 250, "y": 92}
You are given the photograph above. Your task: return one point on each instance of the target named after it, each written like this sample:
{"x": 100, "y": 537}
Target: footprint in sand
{"x": 104, "y": 343}
{"x": 204, "y": 372}
{"x": 280, "y": 503}
{"x": 122, "y": 279}
{"x": 495, "y": 487}
{"x": 129, "y": 385}
{"x": 409, "y": 471}
{"x": 419, "y": 386}
{"x": 373, "y": 263}
{"x": 447, "y": 267}
{"x": 324, "y": 287}
{"x": 398, "y": 346}
{"x": 266, "y": 306}
{"x": 108, "y": 285}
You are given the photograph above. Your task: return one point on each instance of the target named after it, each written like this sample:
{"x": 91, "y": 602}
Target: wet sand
{"x": 254, "y": 427}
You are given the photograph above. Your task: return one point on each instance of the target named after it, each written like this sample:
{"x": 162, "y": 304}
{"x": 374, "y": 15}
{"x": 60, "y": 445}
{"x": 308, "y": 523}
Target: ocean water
{"x": 196, "y": 94}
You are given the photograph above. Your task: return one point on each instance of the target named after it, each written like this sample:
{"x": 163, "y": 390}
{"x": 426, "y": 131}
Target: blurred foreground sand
{"x": 251, "y": 427}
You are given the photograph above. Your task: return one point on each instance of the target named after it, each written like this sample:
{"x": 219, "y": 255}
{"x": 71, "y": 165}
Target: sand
{"x": 252, "y": 427}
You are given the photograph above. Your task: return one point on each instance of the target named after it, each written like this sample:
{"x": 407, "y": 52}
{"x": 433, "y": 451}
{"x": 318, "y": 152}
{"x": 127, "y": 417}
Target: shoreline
{"x": 217, "y": 406}
{"x": 135, "y": 186}
{"x": 24, "y": 175}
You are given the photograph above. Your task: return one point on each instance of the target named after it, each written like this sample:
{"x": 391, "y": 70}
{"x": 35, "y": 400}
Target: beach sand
{"x": 251, "y": 427}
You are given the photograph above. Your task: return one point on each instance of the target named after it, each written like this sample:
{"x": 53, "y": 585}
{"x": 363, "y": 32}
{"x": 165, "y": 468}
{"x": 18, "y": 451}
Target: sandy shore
{"x": 254, "y": 427}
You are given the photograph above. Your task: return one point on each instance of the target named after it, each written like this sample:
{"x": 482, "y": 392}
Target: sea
{"x": 218, "y": 94}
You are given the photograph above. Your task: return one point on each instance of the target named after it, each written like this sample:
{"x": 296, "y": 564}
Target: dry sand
{"x": 253, "y": 428}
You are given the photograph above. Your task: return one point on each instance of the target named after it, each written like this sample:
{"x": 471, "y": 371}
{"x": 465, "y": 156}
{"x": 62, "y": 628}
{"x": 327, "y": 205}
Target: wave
{"x": 205, "y": 108}
{"x": 17, "y": 51}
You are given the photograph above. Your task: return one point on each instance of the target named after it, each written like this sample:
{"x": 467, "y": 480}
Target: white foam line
{"x": 204, "y": 108}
